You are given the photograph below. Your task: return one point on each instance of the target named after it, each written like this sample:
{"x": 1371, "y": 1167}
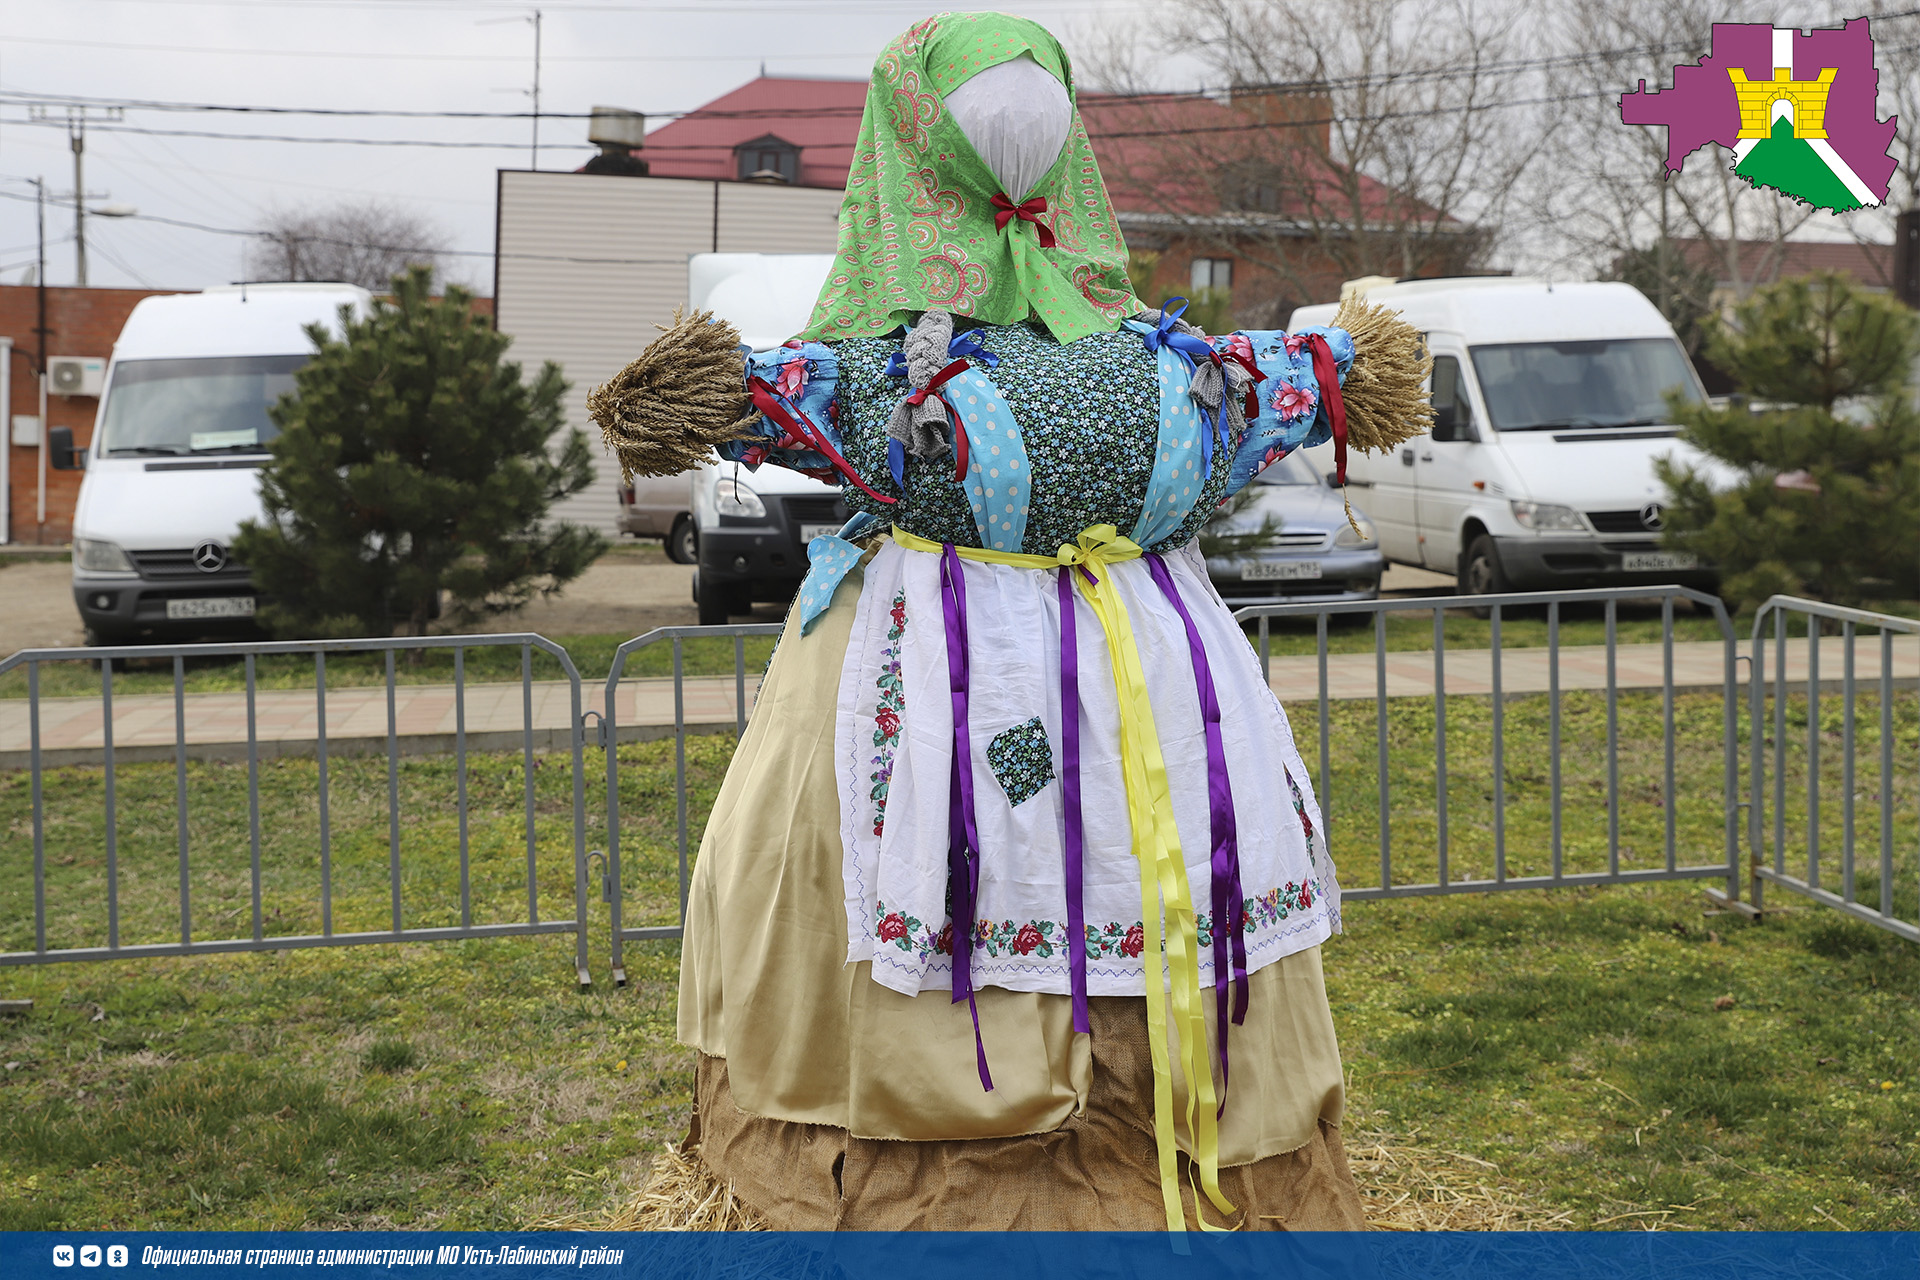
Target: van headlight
{"x": 1545, "y": 517}
{"x": 1349, "y": 537}
{"x": 100, "y": 557}
{"x": 734, "y": 498}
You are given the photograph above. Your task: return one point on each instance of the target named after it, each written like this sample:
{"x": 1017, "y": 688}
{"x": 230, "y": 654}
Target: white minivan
{"x": 174, "y": 466}
{"x": 752, "y": 527}
{"x": 1550, "y": 407}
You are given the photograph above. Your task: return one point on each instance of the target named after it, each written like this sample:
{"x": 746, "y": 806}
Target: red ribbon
{"x": 774, "y": 406}
{"x": 1028, "y": 212}
{"x": 919, "y": 396}
{"x": 1253, "y": 394}
{"x": 1327, "y": 374}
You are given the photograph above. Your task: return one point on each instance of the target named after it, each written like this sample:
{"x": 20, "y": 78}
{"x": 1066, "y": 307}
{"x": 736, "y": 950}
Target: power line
{"x": 441, "y": 143}
{"x": 808, "y": 7}
{"x": 424, "y": 251}
{"x": 1448, "y": 71}
{"x": 1159, "y": 131}
{"x": 382, "y": 56}
{"x": 20, "y": 96}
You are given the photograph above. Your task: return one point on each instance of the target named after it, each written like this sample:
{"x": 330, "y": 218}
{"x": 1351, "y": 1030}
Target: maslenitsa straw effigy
{"x": 1009, "y": 911}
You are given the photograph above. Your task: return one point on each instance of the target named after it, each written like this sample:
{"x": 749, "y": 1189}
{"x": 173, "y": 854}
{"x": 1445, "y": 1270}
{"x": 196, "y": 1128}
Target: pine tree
{"x": 411, "y": 460}
{"x": 1824, "y": 504}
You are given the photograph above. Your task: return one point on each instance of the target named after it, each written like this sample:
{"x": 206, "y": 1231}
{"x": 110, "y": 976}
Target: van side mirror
{"x": 60, "y": 452}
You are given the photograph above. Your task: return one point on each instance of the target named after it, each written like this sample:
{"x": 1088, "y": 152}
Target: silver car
{"x": 1286, "y": 538}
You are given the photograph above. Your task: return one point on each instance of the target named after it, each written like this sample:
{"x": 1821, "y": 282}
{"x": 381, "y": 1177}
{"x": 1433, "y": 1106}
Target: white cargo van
{"x": 751, "y": 527}
{"x": 1549, "y": 410}
{"x": 174, "y": 466}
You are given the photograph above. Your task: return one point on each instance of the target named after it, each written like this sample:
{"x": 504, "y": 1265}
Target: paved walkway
{"x": 1697, "y": 664}
{"x": 425, "y": 716}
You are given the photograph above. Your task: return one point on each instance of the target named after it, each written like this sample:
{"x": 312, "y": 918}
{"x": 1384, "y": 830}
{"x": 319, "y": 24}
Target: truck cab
{"x": 1550, "y": 408}
{"x": 752, "y": 525}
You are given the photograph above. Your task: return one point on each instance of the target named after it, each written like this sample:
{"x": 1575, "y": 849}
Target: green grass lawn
{"x": 1616, "y": 1052}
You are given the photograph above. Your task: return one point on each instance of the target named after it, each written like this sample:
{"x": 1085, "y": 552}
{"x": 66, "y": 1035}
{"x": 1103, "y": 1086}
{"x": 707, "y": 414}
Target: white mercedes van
{"x": 174, "y": 465}
{"x": 1549, "y": 410}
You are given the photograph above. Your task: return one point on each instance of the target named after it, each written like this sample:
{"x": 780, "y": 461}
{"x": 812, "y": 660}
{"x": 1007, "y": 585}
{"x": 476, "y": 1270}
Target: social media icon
{"x": 116, "y": 1255}
{"x": 89, "y": 1255}
{"x": 63, "y": 1255}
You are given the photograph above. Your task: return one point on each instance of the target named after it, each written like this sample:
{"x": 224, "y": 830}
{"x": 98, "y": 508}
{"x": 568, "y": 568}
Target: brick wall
{"x": 80, "y": 322}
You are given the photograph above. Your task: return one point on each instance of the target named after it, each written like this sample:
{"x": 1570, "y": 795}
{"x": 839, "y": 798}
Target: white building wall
{"x": 586, "y": 265}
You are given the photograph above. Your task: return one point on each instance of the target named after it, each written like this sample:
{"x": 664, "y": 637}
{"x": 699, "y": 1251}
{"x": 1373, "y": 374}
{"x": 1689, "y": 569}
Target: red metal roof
{"x": 1764, "y": 261}
{"x": 822, "y": 118}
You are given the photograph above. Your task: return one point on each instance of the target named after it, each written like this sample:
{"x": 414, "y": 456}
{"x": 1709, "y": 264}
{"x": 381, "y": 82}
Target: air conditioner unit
{"x": 76, "y": 375}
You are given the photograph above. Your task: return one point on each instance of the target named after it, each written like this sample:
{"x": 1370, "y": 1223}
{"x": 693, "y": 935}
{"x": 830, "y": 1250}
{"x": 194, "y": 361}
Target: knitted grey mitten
{"x": 923, "y": 427}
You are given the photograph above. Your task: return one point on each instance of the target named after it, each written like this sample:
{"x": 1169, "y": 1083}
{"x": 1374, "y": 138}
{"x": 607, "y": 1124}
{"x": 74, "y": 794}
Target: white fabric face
{"x": 1017, "y": 116}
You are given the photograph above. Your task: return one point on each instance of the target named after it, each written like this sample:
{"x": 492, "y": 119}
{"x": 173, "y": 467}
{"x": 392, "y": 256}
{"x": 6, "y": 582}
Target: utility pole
{"x": 77, "y": 117}
{"x": 77, "y": 139}
{"x": 536, "y": 18}
{"x": 1666, "y": 275}
{"x": 40, "y": 280}
{"x": 536, "y": 88}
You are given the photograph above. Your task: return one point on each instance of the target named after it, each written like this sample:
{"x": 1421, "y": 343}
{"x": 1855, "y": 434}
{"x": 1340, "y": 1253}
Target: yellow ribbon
{"x": 1163, "y": 870}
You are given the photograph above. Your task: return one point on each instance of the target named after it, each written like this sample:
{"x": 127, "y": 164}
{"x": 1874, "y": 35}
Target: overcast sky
{"x": 434, "y": 55}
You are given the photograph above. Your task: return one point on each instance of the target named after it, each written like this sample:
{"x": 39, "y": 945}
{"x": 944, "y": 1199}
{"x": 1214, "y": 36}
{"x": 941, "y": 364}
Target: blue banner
{"x": 192, "y": 1255}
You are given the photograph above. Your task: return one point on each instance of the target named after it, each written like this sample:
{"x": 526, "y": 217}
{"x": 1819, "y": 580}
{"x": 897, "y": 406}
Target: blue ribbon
{"x": 963, "y": 346}
{"x": 1186, "y": 346}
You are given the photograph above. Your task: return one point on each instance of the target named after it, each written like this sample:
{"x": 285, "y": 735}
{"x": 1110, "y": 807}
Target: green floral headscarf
{"x": 917, "y": 228}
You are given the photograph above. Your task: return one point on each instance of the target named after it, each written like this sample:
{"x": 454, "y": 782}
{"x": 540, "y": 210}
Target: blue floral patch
{"x": 1022, "y": 759}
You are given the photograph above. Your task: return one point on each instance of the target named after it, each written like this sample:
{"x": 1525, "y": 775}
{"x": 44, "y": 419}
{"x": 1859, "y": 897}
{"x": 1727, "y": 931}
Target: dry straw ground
{"x": 1403, "y": 1186}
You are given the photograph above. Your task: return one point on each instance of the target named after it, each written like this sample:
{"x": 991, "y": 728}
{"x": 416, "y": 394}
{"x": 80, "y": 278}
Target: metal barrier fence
{"x": 614, "y": 888}
{"x": 1651, "y": 755}
{"x": 322, "y": 903}
{"x": 1500, "y": 693}
{"x": 1827, "y": 627}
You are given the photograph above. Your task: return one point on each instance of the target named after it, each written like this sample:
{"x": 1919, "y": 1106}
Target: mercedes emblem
{"x": 209, "y": 557}
{"x": 1650, "y": 516}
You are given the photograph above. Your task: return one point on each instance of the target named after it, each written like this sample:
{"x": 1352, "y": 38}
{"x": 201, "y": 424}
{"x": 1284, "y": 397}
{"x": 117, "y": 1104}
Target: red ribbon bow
{"x": 1253, "y": 394}
{"x": 919, "y": 396}
{"x": 1327, "y": 374}
{"x": 1028, "y": 212}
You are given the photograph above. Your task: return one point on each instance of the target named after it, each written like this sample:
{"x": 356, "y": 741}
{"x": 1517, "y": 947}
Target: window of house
{"x": 1212, "y": 273}
{"x": 768, "y": 155}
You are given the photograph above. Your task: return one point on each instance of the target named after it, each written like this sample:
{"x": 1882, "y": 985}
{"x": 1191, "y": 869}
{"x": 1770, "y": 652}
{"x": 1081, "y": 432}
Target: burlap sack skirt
{"x": 831, "y": 1102}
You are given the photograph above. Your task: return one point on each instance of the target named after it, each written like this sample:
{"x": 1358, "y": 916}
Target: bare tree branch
{"x": 367, "y": 244}
{"x": 1377, "y": 144}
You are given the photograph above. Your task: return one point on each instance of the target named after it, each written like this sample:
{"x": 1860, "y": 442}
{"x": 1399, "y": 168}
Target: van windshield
{"x": 1615, "y": 382}
{"x": 216, "y": 405}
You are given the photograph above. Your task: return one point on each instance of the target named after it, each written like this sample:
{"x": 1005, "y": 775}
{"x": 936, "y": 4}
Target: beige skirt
{"x": 843, "y": 1103}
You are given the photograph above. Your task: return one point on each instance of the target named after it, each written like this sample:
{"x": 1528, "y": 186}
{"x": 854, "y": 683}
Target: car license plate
{"x": 211, "y": 607}
{"x": 808, "y": 532}
{"x": 1656, "y": 561}
{"x": 1281, "y": 571}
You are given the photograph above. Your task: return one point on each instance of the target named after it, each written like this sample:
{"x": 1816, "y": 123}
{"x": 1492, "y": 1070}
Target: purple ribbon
{"x": 1070, "y": 796}
{"x": 963, "y": 836}
{"x": 1228, "y": 905}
